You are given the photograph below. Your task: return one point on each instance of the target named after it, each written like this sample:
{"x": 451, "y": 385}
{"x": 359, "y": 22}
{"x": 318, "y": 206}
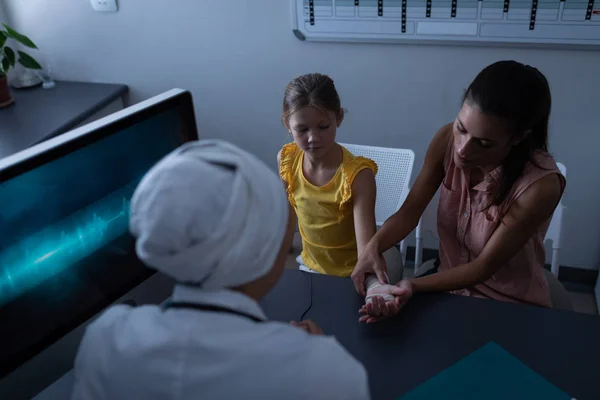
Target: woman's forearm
{"x": 459, "y": 277}
{"x": 394, "y": 230}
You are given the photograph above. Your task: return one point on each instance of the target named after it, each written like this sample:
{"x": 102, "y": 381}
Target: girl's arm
{"x": 524, "y": 217}
{"x": 364, "y": 191}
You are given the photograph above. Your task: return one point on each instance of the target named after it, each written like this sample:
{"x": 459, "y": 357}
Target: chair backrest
{"x": 555, "y": 226}
{"x": 428, "y": 222}
{"x": 393, "y": 176}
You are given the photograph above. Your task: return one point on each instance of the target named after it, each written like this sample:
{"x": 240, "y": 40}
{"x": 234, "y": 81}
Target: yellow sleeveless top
{"x": 325, "y": 214}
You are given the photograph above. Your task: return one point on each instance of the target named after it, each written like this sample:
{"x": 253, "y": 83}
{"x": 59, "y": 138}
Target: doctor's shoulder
{"x": 94, "y": 352}
{"x": 106, "y": 321}
{"x": 111, "y": 329}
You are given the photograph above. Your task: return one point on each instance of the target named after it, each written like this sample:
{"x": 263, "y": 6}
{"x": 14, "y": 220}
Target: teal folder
{"x": 489, "y": 373}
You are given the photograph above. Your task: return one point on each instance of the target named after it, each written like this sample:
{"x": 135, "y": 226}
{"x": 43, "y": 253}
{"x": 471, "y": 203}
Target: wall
{"x": 237, "y": 55}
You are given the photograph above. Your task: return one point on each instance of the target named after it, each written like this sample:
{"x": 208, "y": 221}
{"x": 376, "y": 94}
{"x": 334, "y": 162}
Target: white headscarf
{"x": 210, "y": 213}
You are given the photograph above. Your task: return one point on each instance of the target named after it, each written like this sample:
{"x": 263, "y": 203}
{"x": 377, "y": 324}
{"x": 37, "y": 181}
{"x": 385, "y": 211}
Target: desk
{"x": 39, "y": 114}
{"x": 435, "y": 331}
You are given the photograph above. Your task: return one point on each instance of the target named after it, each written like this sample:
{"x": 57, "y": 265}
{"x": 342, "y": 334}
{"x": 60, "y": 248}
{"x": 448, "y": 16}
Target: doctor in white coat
{"x": 217, "y": 220}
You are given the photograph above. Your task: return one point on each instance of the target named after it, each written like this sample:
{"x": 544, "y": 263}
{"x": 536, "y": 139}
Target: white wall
{"x": 2, "y": 12}
{"x": 237, "y": 55}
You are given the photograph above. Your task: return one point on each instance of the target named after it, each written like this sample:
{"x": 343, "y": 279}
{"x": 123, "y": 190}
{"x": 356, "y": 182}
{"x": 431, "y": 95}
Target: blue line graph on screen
{"x": 52, "y": 250}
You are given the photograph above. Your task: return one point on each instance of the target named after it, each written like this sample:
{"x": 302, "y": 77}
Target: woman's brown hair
{"x": 519, "y": 95}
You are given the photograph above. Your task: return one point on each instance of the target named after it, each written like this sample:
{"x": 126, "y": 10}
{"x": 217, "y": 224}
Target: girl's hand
{"x": 377, "y": 308}
{"x": 369, "y": 262}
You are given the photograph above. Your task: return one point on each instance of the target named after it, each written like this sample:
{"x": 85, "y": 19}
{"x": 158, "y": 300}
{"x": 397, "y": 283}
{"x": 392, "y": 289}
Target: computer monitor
{"x": 65, "y": 248}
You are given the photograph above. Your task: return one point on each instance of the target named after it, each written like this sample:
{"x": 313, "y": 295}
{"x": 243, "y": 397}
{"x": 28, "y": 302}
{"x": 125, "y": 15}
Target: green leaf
{"x": 24, "y": 40}
{"x": 5, "y": 66}
{"x": 10, "y": 54}
{"x": 3, "y": 38}
{"x": 27, "y": 61}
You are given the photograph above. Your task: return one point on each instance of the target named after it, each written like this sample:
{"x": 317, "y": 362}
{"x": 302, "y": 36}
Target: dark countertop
{"x": 434, "y": 331}
{"x": 38, "y": 114}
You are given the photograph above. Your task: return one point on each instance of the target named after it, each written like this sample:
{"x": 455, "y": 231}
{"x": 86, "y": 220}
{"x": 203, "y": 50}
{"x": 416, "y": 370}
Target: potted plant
{"x": 10, "y": 57}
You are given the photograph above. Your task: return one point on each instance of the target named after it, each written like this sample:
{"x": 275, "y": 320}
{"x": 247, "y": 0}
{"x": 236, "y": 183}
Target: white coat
{"x": 148, "y": 352}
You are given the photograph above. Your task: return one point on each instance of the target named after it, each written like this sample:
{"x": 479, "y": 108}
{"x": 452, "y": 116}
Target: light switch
{"x": 105, "y": 5}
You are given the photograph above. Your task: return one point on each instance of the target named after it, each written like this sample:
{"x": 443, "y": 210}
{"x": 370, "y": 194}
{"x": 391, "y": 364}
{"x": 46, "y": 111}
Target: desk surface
{"x": 39, "y": 114}
{"x": 435, "y": 331}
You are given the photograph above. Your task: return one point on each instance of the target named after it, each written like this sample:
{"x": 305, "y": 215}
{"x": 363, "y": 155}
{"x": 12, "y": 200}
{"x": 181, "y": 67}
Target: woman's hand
{"x": 309, "y": 326}
{"x": 369, "y": 262}
{"x": 377, "y": 308}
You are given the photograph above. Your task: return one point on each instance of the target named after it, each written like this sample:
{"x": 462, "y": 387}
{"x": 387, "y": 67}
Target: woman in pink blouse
{"x": 499, "y": 188}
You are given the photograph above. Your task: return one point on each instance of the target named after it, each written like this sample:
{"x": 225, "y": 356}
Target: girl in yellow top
{"x": 332, "y": 191}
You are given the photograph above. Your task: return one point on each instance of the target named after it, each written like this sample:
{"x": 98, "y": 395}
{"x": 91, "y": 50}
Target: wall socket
{"x": 105, "y": 5}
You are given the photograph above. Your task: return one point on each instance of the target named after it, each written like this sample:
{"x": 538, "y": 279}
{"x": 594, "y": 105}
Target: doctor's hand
{"x": 309, "y": 326}
{"x": 369, "y": 262}
{"x": 377, "y": 308}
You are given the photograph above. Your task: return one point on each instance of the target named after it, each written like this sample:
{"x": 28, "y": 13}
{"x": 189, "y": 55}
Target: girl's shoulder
{"x": 352, "y": 165}
{"x": 287, "y": 156}
{"x": 288, "y": 153}
{"x": 289, "y": 149}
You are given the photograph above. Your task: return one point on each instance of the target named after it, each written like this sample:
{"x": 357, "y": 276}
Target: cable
{"x": 309, "y": 296}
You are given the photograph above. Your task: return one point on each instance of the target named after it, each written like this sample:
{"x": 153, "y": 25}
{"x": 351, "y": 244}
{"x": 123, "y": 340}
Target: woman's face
{"x": 314, "y": 130}
{"x": 480, "y": 140}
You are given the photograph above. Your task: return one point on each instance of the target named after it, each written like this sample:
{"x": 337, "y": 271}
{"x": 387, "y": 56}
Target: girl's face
{"x": 480, "y": 139}
{"x": 314, "y": 129}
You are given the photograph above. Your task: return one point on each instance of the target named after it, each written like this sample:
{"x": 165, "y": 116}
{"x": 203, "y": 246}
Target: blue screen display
{"x": 62, "y": 212}
{"x": 64, "y": 239}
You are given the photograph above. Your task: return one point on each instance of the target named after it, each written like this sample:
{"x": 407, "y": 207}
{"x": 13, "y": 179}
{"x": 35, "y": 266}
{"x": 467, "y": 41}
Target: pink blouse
{"x": 464, "y": 229}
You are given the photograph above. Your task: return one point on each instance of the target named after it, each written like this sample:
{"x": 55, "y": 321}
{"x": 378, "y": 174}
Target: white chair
{"x": 553, "y": 233}
{"x": 393, "y": 176}
{"x": 428, "y": 225}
